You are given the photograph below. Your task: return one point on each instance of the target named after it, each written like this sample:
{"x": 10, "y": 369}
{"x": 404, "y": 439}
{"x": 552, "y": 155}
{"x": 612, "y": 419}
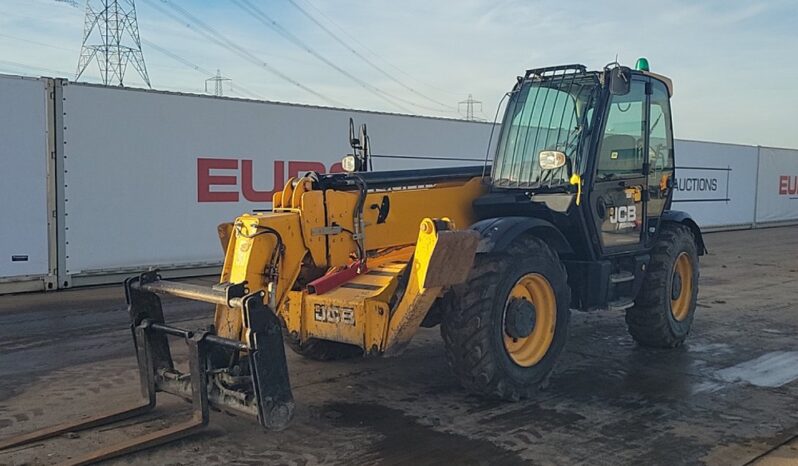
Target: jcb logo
{"x": 334, "y": 314}
{"x": 623, "y": 214}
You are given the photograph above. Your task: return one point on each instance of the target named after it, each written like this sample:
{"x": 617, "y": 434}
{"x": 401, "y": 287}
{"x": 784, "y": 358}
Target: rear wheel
{"x": 505, "y": 327}
{"x": 665, "y": 306}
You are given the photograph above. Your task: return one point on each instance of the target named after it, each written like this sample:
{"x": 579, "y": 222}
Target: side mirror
{"x": 620, "y": 80}
{"x": 551, "y": 159}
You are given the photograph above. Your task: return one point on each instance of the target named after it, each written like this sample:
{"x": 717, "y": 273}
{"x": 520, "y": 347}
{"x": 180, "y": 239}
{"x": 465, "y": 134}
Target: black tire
{"x": 651, "y": 321}
{"x": 473, "y": 326}
{"x": 322, "y": 350}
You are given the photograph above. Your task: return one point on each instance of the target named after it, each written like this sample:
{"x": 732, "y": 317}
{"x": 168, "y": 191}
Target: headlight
{"x": 349, "y": 163}
{"x": 551, "y": 159}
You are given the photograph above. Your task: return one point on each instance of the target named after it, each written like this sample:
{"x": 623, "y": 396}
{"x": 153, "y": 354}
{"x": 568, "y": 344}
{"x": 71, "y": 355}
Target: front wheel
{"x": 665, "y": 306}
{"x": 505, "y": 327}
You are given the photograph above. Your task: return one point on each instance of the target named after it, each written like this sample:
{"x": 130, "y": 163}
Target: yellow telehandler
{"x": 573, "y": 213}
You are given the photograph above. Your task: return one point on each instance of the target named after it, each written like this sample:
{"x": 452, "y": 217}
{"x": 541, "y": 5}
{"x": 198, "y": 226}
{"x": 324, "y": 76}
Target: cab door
{"x": 618, "y": 202}
{"x": 660, "y": 154}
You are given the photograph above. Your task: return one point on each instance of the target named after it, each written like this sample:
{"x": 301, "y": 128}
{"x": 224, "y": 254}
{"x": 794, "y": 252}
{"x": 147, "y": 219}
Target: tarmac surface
{"x": 728, "y": 396}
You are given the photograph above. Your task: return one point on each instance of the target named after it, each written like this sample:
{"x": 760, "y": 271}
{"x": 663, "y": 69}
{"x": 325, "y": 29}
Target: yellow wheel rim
{"x": 528, "y": 351}
{"x": 680, "y": 298}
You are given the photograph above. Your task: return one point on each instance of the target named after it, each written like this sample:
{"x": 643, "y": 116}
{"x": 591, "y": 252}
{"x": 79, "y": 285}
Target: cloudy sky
{"x": 732, "y": 62}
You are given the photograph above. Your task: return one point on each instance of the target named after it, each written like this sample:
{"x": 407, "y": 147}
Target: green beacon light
{"x": 642, "y": 64}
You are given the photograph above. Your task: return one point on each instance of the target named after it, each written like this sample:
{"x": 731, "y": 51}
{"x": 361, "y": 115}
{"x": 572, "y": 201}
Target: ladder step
{"x": 622, "y": 277}
{"x": 620, "y": 304}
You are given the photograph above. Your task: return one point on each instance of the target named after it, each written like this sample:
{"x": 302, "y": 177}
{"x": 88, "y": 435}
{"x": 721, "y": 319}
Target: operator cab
{"x": 590, "y": 154}
{"x": 586, "y": 146}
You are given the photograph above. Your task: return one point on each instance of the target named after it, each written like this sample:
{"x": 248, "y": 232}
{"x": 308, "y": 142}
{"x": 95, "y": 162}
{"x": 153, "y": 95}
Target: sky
{"x": 732, "y": 62}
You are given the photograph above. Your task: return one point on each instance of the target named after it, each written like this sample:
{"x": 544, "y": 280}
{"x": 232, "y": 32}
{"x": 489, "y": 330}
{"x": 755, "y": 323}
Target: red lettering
{"x": 300, "y": 168}
{"x": 205, "y": 180}
{"x": 249, "y": 191}
{"x": 788, "y": 185}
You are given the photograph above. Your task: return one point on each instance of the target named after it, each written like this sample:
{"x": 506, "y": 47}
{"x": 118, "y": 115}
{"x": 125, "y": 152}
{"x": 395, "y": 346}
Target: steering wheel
{"x": 622, "y": 110}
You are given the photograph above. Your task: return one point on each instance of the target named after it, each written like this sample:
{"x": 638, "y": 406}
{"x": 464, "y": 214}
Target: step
{"x": 621, "y": 277}
{"x": 621, "y": 304}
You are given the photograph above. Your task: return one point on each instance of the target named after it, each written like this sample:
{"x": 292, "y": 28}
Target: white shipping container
{"x": 149, "y": 175}
{"x": 24, "y": 241}
{"x": 715, "y": 183}
{"x": 777, "y": 187}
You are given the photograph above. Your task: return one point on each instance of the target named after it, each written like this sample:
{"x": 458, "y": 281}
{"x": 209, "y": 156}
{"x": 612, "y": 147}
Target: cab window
{"x": 660, "y": 153}
{"x": 660, "y": 150}
{"x": 621, "y": 147}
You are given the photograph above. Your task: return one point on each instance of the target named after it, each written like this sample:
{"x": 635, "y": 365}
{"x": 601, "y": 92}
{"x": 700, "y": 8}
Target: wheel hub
{"x": 676, "y": 288}
{"x": 520, "y": 318}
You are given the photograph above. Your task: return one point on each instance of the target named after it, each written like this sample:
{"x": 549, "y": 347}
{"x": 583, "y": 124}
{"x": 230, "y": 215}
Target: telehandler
{"x": 573, "y": 213}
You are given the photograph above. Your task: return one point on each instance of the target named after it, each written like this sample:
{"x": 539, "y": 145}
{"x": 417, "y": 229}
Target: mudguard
{"x": 498, "y": 233}
{"x": 678, "y": 216}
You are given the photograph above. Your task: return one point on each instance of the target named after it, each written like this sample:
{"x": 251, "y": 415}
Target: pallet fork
{"x": 248, "y": 376}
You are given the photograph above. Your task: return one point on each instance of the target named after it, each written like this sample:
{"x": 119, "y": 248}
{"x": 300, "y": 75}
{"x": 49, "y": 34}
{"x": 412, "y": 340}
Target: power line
{"x": 216, "y": 37}
{"x": 363, "y": 57}
{"x": 42, "y": 44}
{"x": 177, "y": 58}
{"x": 274, "y": 25}
{"x": 197, "y": 68}
{"x": 372, "y": 52}
{"x": 114, "y": 23}
{"x": 54, "y": 73}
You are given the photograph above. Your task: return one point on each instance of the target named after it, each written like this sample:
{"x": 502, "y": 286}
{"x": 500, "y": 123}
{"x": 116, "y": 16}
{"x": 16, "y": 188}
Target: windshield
{"x": 543, "y": 114}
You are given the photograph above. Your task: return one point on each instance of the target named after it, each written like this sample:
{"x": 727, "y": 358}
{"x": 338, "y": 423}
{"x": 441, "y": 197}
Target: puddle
{"x": 406, "y": 441}
{"x": 769, "y": 370}
{"x": 713, "y": 348}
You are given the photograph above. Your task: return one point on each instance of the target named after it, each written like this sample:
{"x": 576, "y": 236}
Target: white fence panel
{"x": 715, "y": 182}
{"x": 777, "y": 187}
{"x": 23, "y": 178}
{"x": 149, "y": 175}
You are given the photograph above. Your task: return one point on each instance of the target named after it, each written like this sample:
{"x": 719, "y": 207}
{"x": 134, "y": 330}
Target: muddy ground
{"x": 728, "y": 396}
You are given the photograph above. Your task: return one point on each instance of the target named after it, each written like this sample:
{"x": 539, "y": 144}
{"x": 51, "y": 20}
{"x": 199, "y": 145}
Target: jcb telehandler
{"x": 573, "y": 213}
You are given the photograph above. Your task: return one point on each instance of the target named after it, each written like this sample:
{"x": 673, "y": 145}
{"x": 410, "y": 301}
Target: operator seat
{"x": 619, "y": 155}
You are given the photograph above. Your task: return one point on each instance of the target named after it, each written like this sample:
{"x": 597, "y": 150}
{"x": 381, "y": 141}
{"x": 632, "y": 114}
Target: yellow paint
{"x": 634, "y": 193}
{"x": 576, "y": 180}
{"x": 442, "y": 258}
{"x": 528, "y": 351}
{"x": 305, "y": 219}
{"x": 680, "y": 307}
{"x": 367, "y": 295}
{"x": 249, "y": 255}
{"x": 408, "y": 208}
